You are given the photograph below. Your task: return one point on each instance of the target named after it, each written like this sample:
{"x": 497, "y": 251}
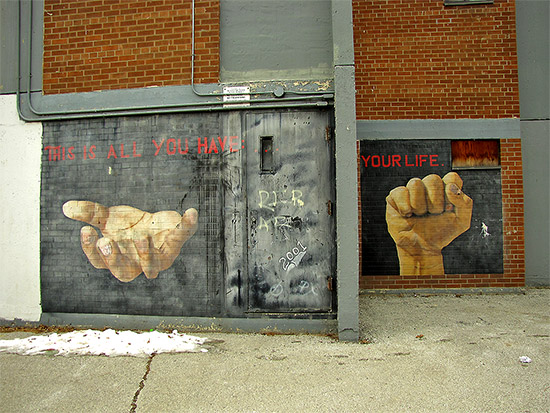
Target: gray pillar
{"x": 346, "y": 172}
{"x": 534, "y": 100}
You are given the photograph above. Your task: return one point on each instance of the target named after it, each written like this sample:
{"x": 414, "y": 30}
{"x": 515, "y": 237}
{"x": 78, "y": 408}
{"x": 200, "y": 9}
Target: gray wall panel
{"x": 276, "y": 39}
{"x": 533, "y": 36}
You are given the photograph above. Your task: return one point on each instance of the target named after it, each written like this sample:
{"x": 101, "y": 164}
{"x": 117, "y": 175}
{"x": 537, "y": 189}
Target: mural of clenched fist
{"x": 425, "y": 216}
{"x": 133, "y": 241}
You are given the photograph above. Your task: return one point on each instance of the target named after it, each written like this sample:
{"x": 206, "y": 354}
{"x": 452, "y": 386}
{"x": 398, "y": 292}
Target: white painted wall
{"x": 20, "y": 156}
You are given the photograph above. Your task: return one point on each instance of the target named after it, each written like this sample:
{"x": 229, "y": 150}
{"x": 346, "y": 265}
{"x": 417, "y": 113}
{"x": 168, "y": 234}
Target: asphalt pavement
{"x": 418, "y": 352}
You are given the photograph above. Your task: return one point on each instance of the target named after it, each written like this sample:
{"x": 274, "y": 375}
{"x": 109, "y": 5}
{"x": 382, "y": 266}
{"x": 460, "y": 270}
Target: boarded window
{"x": 475, "y": 153}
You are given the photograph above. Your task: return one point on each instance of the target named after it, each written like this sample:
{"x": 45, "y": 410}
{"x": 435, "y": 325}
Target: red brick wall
{"x": 512, "y": 204}
{"x": 417, "y": 59}
{"x": 118, "y": 44}
{"x": 513, "y": 230}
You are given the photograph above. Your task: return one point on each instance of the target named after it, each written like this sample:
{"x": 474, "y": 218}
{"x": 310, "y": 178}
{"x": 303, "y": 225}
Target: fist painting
{"x": 133, "y": 241}
{"x": 425, "y": 216}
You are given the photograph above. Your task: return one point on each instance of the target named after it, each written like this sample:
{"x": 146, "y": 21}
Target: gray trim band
{"x": 136, "y": 322}
{"x": 439, "y": 129}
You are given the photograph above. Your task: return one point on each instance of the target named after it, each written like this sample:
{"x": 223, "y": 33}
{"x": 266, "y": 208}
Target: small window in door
{"x": 266, "y": 154}
{"x": 470, "y": 154}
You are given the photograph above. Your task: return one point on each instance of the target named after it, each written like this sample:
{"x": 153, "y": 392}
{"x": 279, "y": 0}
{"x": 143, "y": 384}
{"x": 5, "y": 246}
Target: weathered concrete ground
{"x": 418, "y": 353}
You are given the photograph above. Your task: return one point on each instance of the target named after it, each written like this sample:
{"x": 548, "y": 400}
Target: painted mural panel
{"x": 421, "y": 217}
{"x": 131, "y": 215}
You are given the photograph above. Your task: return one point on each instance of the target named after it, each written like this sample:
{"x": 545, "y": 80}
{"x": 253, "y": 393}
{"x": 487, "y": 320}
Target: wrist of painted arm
{"x": 426, "y": 263}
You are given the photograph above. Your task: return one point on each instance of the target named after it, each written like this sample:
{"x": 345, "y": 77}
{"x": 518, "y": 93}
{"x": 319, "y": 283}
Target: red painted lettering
{"x": 122, "y": 151}
{"x": 222, "y": 143}
{"x": 169, "y": 150}
{"x": 203, "y": 145}
{"x": 111, "y": 152}
{"x": 71, "y": 154}
{"x": 396, "y": 160}
{"x": 136, "y": 155}
{"x": 186, "y": 147}
{"x": 158, "y": 146}
{"x": 91, "y": 155}
{"x": 423, "y": 159}
{"x": 213, "y": 146}
{"x": 233, "y": 145}
{"x": 53, "y": 152}
{"x": 393, "y": 161}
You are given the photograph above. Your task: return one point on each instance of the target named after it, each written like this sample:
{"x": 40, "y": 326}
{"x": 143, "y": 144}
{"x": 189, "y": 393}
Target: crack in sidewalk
{"x": 133, "y": 406}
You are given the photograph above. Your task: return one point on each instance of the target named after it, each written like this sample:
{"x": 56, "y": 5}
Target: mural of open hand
{"x": 425, "y": 216}
{"x": 133, "y": 241}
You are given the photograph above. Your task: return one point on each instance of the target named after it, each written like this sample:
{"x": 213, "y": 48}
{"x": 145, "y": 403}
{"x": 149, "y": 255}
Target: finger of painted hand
{"x": 451, "y": 178}
{"x": 86, "y": 211}
{"x": 88, "y": 240}
{"x": 399, "y": 199}
{"x": 463, "y": 204}
{"x": 175, "y": 238}
{"x": 435, "y": 194}
{"x": 120, "y": 266}
{"x": 149, "y": 257}
{"x": 417, "y": 195}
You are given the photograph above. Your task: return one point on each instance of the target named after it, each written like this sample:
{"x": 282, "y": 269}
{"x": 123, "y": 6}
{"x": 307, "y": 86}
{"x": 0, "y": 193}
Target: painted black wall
{"x": 469, "y": 253}
{"x": 148, "y": 177}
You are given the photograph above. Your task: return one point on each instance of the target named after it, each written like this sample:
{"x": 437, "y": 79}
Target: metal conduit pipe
{"x": 147, "y": 110}
{"x": 143, "y": 112}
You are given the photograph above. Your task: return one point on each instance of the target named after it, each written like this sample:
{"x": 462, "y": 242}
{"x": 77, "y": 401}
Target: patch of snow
{"x": 105, "y": 343}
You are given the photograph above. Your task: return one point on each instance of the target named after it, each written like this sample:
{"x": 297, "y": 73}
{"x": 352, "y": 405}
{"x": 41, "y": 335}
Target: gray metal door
{"x": 290, "y": 190}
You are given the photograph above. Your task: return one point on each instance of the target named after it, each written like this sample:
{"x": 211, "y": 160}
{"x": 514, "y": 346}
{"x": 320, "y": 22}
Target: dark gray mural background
{"x": 477, "y": 251}
{"x": 114, "y": 161}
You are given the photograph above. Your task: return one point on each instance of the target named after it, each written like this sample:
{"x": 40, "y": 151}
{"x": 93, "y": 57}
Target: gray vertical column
{"x": 534, "y": 100}
{"x": 346, "y": 172}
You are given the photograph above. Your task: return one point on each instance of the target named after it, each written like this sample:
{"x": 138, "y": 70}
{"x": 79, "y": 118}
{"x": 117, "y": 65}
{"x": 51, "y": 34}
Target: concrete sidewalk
{"x": 418, "y": 353}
